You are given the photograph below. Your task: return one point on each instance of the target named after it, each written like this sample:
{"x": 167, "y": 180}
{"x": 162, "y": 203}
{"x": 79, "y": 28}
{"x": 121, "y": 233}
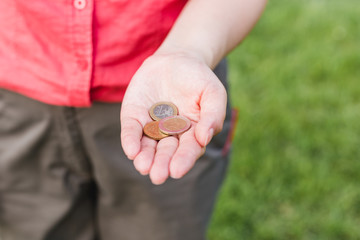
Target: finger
{"x": 165, "y": 150}
{"x": 212, "y": 114}
{"x": 131, "y": 134}
{"x": 188, "y": 151}
{"x": 133, "y": 119}
{"x": 144, "y": 159}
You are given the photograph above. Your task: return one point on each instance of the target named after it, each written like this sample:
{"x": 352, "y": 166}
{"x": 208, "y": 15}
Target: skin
{"x": 180, "y": 71}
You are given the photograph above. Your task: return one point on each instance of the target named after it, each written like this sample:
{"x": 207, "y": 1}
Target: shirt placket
{"x": 81, "y": 30}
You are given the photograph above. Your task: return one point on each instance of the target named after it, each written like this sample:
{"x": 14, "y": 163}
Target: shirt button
{"x": 80, "y": 4}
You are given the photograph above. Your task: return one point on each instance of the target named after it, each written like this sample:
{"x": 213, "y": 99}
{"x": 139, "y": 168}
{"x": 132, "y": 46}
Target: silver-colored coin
{"x": 162, "y": 110}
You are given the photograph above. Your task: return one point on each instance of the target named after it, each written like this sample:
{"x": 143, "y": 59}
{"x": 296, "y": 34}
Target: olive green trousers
{"x": 64, "y": 176}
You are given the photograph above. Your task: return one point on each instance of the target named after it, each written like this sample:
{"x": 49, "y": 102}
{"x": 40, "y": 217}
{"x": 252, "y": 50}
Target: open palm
{"x": 199, "y": 95}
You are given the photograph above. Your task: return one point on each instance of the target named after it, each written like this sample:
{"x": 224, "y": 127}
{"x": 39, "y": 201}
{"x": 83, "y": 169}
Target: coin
{"x": 152, "y": 130}
{"x": 174, "y": 125}
{"x": 162, "y": 110}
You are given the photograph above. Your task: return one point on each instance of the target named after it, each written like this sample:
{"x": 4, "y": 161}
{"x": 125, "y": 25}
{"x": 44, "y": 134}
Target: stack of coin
{"x": 166, "y": 121}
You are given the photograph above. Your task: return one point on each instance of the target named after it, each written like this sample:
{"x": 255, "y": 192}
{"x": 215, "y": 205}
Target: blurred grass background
{"x": 295, "y": 170}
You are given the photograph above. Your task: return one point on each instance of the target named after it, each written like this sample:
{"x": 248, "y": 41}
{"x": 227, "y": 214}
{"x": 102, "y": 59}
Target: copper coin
{"x": 162, "y": 110}
{"x": 174, "y": 125}
{"x": 152, "y": 130}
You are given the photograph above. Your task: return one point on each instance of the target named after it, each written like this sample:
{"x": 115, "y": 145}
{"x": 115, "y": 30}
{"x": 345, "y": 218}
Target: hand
{"x": 186, "y": 81}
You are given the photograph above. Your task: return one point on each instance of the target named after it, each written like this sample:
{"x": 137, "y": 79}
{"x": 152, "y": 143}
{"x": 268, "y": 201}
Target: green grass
{"x": 295, "y": 170}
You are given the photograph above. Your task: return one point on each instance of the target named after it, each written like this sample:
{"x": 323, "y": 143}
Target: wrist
{"x": 196, "y": 54}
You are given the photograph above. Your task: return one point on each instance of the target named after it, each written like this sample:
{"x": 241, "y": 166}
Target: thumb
{"x": 212, "y": 114}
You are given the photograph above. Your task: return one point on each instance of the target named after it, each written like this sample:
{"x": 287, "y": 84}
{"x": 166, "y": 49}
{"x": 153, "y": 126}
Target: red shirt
{"x": 72, "y": 52}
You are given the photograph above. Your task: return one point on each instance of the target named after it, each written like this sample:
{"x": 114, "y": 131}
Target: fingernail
{"x": 209, "y": 136}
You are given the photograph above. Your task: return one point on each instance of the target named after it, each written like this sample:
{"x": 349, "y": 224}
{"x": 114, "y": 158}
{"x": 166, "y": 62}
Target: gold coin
{"x": 162, "y": 110}
{"x": 152, "y": 130}
{"x": 174, "y": 125}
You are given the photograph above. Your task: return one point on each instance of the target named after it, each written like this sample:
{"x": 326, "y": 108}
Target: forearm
{"x": 209, "y": 29}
